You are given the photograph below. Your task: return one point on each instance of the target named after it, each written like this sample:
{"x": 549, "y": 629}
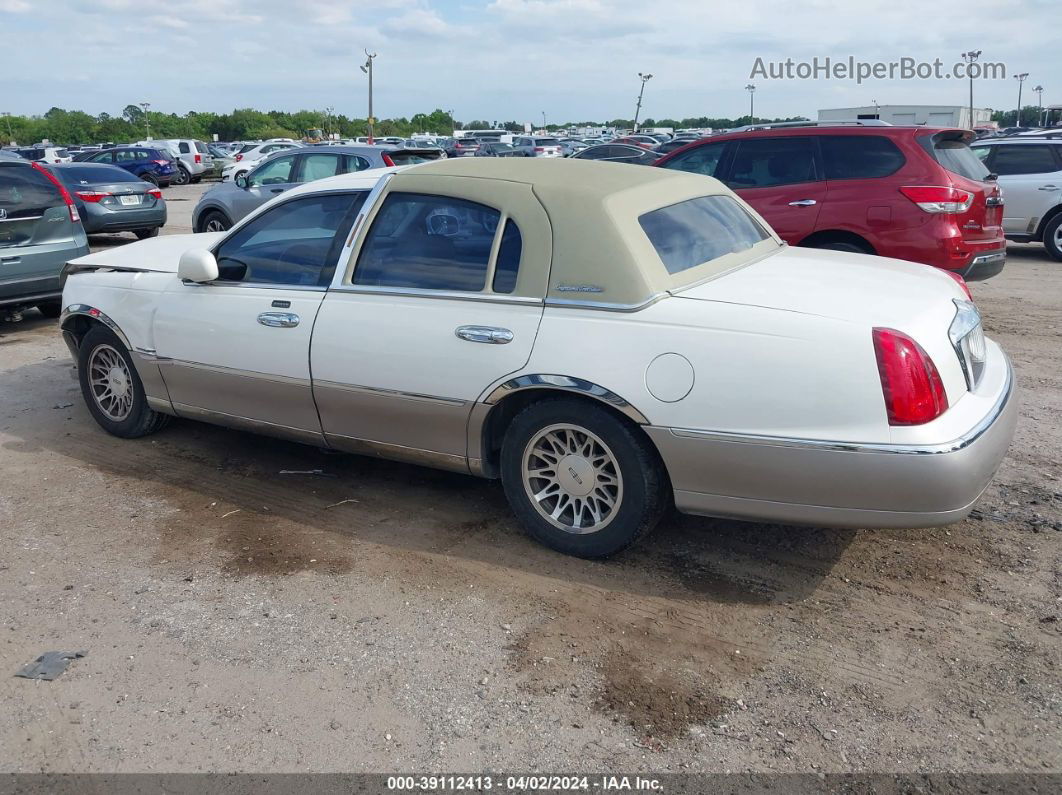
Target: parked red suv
{"x": 913, "y": 193}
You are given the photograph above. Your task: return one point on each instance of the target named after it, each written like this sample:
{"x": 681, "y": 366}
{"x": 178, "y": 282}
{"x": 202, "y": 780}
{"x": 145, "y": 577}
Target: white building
{"x": 928, "y": 115}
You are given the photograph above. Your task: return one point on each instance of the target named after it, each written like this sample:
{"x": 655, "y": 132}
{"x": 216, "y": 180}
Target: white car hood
{"x": 159, "y": 254}
{"x": 834, "y": 284}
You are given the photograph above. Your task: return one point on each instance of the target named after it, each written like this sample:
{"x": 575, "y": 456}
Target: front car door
{"x": 441, "y": 297}
{"x": 265, "y": 182}
{"x": 780, "y": 177}
{"x": 236, "y": 350}
{"x": 1031, "y": 178}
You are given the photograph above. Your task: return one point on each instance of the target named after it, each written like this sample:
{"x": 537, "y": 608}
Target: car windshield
{"x": 700, "y": 230}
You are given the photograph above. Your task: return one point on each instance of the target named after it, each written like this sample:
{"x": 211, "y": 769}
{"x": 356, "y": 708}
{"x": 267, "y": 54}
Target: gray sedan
{"x": 225, "y": 204}
{"x": 110, "y": 199}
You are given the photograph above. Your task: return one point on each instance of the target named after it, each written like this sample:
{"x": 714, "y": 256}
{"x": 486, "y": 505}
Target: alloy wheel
{"x": 111, "y": 383}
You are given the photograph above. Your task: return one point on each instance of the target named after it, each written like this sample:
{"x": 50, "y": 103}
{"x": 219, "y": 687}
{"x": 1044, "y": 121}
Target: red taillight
{"x": 239, "y": 158}
{"x": 939, "y": 199}
{"x": 74, "y": 217}
{"x": 155, "y": 192}
{"x": 960, "y": 281}
{"x": 92, "y": 195}
{"x": 914, "y": 393}
{"x": 161, "y": 162}
{"x": 540, "y": 149}
{"x": 198, "y": 158}
{"x": 387, "y": 159}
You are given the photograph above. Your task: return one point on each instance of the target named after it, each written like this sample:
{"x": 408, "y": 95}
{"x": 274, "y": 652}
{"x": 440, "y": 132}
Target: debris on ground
{"x": 49, "y": 665}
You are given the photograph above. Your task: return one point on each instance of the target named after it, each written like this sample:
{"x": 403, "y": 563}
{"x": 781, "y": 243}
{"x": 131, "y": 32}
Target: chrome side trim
{"x": 604, "y": 306}
{"x": 452, "y": 295}
{"x": 955, "y": 445}
{"x": 566, "y": 383}
{"x": 233, "y": 371}
{"x": 392, "y": 392}
{"x": 246, "y": 424}
{"x": 94, "y": 314}
{"x": 397, "y": 452}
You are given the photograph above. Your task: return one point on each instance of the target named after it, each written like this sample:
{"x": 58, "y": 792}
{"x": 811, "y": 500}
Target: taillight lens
{"x": 67, "y": 198}
{"x": 92, "y": 195}
{"x": 939, "y": 199}
{"x": 155, "y": 192}
{"x": 239, "y": 158}
{"x": 198, "y": 158}
{"x": 161, "y": 162}
{"x": 539, "y": 149}
{"x": 387, "y": 159}
{"x": 960, "y": 281}
{"x": 910, "y": 383}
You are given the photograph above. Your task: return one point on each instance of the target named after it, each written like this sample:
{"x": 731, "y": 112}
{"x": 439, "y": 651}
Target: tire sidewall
{"x": 642, "y": 502}
{"x": 1049, "y": 238}
{"x": 210, "y": 216}
{"x": 183, "y": 176}
{"x": 141, "y": 414}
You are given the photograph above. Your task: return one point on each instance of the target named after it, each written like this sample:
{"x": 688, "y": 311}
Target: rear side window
{"x": 354, "y": 163}
{"x": 765, "y": 162}
{"x": 26, "y": 192}
{"x": 696, "y": 231}
{"x": 860, "y": 156}
{"x": 955, "y": 156}
{"x": 699, "y": 160}
{"x": 185, "y": 148}
{"x": 428, "y": 242}
{"x": 1024, "y": 159}
{"x": 508, "y": 264}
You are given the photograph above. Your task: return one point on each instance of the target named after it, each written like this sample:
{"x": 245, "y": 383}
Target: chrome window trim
{"x": 604, "y": 306}
{"x": 955, "y": 445}
{"x": 565, "y": 383}
{"x": 452, "y": 295}
{"x": 343, "y": 272}
{"x": 302, "y": 288}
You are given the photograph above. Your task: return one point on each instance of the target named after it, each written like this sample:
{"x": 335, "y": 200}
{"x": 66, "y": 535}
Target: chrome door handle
{"x": 1048, "y": 187}
{"x": 279, "y": 319}
{"x": 491, "y": 335}
{"x": 803, "y": 203}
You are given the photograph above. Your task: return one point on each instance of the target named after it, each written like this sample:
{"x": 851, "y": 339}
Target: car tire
{"x": 1053, "y": 237}
{"x": 214, "y": 221}
{"x": 182, "y": 177}
{"x": 196, "y": 180}
{"x": 50, "y": 308}
{"x": 112, "y": 388}
{"x": 629, "y": 489}
{"x": 843, "y": 245}
{"x": 149, "y": 177}
{"x": 144, "y": 234}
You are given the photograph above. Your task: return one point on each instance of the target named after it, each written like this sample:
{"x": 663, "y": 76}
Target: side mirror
{"x": 197, "y": 265}
{"x": 241, "y": 181}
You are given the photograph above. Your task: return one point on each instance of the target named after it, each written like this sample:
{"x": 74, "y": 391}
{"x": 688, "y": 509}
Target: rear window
{"x": 410, "y": 157}
{"x": 62, "y": 153}
{"x": 700, "y": 230}
{"x": 93, "y": 175}
{"x": 247, "y": 148}
{"x": 955, "y": 156}
{"x": 26, "y": 192}
{"x": 860, "y": 156}
{"x": 547, "y": 142}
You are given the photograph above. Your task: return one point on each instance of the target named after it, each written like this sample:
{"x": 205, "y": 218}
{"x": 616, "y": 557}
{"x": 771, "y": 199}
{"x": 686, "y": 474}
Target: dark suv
{"x": 912, "y": 193}
{"x": 150, "y": 165}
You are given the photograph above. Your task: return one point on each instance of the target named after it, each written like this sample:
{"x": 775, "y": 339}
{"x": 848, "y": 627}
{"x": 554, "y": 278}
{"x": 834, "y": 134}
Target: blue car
{"x": 151, "y": 165}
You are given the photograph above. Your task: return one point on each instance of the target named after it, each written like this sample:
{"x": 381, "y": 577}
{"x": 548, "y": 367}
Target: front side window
{"x": 697, "y": 231}
{"x": 1024, "y": 159}
{"x": 275, "y": 172}
{"x": 764, "y": 162}
{"x": 428, "y": 242}
{"x": 700, "y": 160}
{"x": 294, "y": 243}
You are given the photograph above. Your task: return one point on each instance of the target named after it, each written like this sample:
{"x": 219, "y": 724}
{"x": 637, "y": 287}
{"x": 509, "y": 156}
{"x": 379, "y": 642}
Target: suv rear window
{"x": 412, "y": 156}
{"x": 201, "y": 147}
{"x": 955, "y": 156}
{"x": 697, "y": 231}
{"x": 547, "y": 142}
{"x": 860, "y": 156}
{"x": 26, "y": 192}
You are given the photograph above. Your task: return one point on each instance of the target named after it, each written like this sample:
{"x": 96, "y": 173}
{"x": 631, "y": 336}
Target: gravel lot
{"x": 388, "y": 618}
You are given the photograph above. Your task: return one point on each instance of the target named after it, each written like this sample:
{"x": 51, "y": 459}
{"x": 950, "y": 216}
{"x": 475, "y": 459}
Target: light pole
{"x": 453, "y": 124}
{"x": 877, "y": 110}
{"x": 10, "y": 136}
{"x": 1021, "y": 79}
{"x": 645, "y": 78}
{"x": 543, "y": 120}
{"x": 1040, "y": 102}
{"x": 752, "y": 102}
{"x": 969, "y": 58}
{"x": 147, "y": 121}
{"x": 367, "y": 69}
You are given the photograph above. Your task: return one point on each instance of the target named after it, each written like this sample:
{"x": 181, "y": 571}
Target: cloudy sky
{"x": 506, "y": 59}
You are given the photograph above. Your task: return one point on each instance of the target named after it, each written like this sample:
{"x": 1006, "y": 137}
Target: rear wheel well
{"x": 826, "y": 236}
{"x": 503, "y": 412}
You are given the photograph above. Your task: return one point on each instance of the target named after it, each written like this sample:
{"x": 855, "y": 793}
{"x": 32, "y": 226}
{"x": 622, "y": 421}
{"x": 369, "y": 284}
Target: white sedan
{"x": 604, "y": 339}
{"x": 250, "y": 155}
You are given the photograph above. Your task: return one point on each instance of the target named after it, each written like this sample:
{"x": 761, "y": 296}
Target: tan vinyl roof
{"x": 600, "y": 253}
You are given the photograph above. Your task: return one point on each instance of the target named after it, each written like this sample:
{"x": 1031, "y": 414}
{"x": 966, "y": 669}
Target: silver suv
{"x": 1030, "y": 173}
{"x": 192, "y": 158}
{"x": 530, "y": 146}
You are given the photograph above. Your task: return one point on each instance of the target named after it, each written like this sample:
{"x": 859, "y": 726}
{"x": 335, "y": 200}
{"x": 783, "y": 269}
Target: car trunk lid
{"x": 982, "y": 219}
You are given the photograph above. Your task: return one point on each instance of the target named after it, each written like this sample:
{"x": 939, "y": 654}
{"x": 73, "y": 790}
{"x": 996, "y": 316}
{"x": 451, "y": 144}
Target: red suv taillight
{"x": 74, "y": 217}
{"x": 960, "y": 281}
{"x": 387, "y": 159}
{"x": 540, "y": 149}
{"x": 910, "y": 383}
{"x": 939, "y": 199}
{"x": 198, "y": 158}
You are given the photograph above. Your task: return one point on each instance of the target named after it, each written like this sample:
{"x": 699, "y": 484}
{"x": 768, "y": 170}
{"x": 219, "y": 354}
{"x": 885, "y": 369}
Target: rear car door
{"x": 38, "y": 233}
{"x": 442, "y": 298}
{"x": 857, "y": 200}
{"x": 239, "y": 347}
{"x": 1031, "y": 178}
{"x": 781, "y": 178}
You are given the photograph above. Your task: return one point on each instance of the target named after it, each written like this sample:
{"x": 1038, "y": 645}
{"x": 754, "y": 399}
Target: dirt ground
{"x": 381, "y": 617}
